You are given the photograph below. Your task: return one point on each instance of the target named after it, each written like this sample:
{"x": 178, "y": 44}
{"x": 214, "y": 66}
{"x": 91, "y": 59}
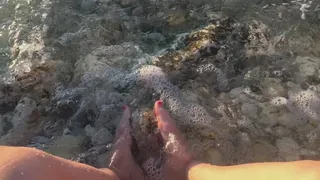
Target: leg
{"x": 20, "y": 163}
{"x": 31, "y": 164}
{"x": 176, "y": 146}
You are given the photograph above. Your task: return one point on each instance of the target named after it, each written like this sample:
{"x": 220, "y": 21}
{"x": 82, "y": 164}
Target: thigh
{"x": 27, "y": 163}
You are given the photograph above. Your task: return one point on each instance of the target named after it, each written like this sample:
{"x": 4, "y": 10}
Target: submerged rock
{"x": 88, "y": 5}
{"x": 26, "y": 123}
{"x": 250, "y": 110}
{"x": 65, "y": 146}
{"x": 214, "y": 157}
{"x": 288, "y": 149}
{"x": 305, "y": 105}
{"x": 196, "y": 58}
{"x": 263, "y": 151}
{"x": 99, "y": 137}
{"x": 5, "y": 124}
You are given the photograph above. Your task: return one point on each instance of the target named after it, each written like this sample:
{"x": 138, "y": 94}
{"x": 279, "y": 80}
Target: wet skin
{"x": 20, "y": 163}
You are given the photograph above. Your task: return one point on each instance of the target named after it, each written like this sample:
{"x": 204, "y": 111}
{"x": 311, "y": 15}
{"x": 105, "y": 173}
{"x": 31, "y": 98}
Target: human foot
{"x": 122, "y": 162}
{"x": 178, "y": 156}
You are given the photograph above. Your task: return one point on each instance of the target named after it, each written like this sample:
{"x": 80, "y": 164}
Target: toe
{"x": 125, "y": 119}
{"x": 123, "y": 137}
{"x": 175, "y": 145}
{"x": 166, "y": 124}
{"x": 124, "y": 124}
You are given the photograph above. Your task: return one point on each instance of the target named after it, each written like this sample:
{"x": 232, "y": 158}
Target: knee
{"x": 19, "y": 162}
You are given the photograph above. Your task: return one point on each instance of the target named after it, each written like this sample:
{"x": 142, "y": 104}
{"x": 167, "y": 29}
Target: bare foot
{"x": 176, "y": 146}
{"x": 122, "y": 162}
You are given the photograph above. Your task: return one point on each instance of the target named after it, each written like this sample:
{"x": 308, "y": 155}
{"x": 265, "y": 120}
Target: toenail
{"x": 160, "y": 103}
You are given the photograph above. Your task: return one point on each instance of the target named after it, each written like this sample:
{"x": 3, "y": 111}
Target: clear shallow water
{"x": 72, "y": 64}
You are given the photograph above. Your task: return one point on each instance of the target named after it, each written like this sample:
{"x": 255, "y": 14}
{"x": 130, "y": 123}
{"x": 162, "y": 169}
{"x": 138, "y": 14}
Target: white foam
{"x": 188, "y": 113}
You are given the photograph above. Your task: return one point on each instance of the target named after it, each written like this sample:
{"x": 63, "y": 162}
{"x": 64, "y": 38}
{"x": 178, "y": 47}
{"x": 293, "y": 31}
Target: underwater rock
{"x": 99, "y": 137}
{"x": 25, "y": 121}
{"x": 23, "y": 111}
{"x": 236, "y": 92}
{"x": 116, "y": 58}
{"x": 309, "y": 69}
{"x": 250, "y": 110}
{"x": 176, "y": 18}
{"x": 235, "y": 8}
{"x": 68, "y": 38}
{"x": 196, "y": 56}
{"x": 96, "y": 156}
{"x": 65, "y": 146}
{"x": 288, "y": 149}
{"x": 88, "y": 5}
{"x": 214, "y": 157}
{"x": 281, "y": 131}
{"x": 39, "y": 84}
{"x": 272, "y": 88}
{"x": 86, "y": 114}
{"x": 126, "y": 2}
{"x": 40, "y": 142}
{"x": 264, "y": 150}
{"x": 268, "y": 116}
{"x": 101, "y": 160}
{"x": 278, "y": 102}
{"x": 305, "y": 105}
{"x": 10, "y": 95}
{"x": 5, "y": 124}
{"x": 288, "y": 120}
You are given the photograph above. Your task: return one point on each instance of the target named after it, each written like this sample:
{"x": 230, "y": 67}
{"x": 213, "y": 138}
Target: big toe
{"x": 166, "y": 124}
{"x": 124, "y": 121}
{"x": 175, "y": 144}
{"x": 123, "y": 132}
